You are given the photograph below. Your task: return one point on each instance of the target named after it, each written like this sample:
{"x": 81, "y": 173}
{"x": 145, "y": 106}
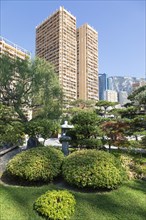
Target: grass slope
{"x": 128, "y": 202}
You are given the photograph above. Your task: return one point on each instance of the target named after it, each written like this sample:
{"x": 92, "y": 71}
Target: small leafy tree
{"x": 44, "y": 128}
{"x": 115, "y": 132}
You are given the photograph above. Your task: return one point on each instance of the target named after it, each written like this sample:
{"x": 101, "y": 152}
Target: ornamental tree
{"x": 115, "y": 131}
{"x": 30, "y": 85}
{"x": 86, "y": 130}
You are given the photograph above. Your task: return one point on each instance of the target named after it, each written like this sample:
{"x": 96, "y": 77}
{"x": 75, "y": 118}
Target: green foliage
{"x": 30, "y": 84}
{"x": 127, "y": 163}
{"x": 127, "y": 202}
{"x": 135, "y": 144}
{"x": 103, "y": 105}
{"x": 116, "y": 132}
{"x": 11, "y": 131}
{"x": 56, "y": 205}
{"x": 139, "y": 123}
{"x": 143, "y": 141}
{"x": 86, "y": 130}
{"x": 129, "y": 112}
{"x": 134, "y": 164}
{"x": 94, "y": 169}
{"x": 90, "y": 143}
{"x": 139, "y": 96}
{"x": 38, "y": 164}
{"x": 42, "y": 127}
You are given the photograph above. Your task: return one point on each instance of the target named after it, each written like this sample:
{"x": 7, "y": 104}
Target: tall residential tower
{"x": 56, "y": 42}
{"x": 73, "y": 53}
{"x": 87, "y": 63}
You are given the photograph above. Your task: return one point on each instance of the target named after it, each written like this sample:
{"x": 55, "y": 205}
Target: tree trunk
{"x": 109, "y": 147}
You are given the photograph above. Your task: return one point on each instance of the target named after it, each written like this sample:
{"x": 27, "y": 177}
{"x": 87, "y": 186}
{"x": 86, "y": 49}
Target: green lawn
{"x": 126, "y": 203}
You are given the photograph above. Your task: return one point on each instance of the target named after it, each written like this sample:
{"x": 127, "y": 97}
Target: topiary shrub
{"x": 42, "y": 163}
{"x": 56, "y": 205}
{"x": 94, "y": 169}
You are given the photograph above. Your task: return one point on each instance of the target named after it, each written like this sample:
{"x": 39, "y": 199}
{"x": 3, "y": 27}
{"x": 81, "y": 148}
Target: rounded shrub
{"x": 94, "y": 169}
{"x": 56, "y": 205}
{"x": 42, "y": 163}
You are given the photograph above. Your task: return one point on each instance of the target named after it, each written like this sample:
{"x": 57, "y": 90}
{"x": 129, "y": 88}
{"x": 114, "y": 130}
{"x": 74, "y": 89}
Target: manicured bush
{"x": 56, "y": 205}
{"x": 42, "y": 163}
{"x": 94, "y": 169}
{"x": 135, "y": 165}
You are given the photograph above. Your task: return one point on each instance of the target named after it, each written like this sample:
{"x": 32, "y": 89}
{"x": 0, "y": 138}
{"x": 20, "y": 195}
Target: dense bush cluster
{"x": 42, "y": 163}
{"x": 135, "y": 166}
{"x": 56, "y": 205}
{"x": 92, "y": 168}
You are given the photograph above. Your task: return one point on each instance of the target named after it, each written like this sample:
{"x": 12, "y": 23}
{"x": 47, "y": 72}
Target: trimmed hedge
{"x": 41, "y": 163}
{"x": 94, "y": 169}
{"x": 56, "y": 205}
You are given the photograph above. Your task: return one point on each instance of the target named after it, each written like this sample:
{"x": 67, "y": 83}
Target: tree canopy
{"x": 29, "y": 84}
{"x": 138, "y": 97}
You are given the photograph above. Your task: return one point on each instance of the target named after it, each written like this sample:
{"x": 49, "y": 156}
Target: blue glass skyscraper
{"x": 102, "y": 85}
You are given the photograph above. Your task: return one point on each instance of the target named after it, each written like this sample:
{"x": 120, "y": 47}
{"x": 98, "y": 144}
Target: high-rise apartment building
{"x": 12, "y": 49}
{"x": 56, "y": 42}
{"x": 87, "y": 63}
{"x": 73, "y": 53}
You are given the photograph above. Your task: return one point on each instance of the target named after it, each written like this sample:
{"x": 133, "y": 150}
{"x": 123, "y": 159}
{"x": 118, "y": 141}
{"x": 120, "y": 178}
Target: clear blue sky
{"x": 121, "y": 27}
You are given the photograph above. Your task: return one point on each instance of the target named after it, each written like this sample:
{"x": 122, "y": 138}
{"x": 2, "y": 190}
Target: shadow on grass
{"x": 61, "y": 183}
{"x": 116, "y": 205}
{"x": 139, "y": 185}
{"x": 58, "y": 182}
{"x": 7, "y": 179}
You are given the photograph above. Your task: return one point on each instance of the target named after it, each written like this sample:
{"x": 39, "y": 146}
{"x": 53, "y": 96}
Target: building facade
{"x": 87, "y": 63}
{"x": 73, "y": 53}
{"x": 12, "y": 49}
{"x": 102, "y": 77}
{"x": 56, "y": 42}
{"x": 111, "y": 96}
{"x": 123, "y": 97}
